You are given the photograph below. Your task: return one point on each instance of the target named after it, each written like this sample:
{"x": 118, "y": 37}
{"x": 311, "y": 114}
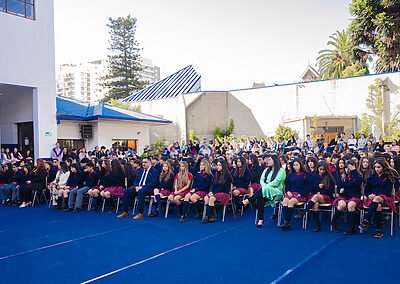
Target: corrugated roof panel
{"x": 178, "y": 83}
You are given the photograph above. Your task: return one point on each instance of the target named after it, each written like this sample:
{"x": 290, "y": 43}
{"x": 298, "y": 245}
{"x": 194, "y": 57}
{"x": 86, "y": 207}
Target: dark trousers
{"x": 260, "y": 203}
{"x": 26, "y": 190}
{"x": 141, "y": 196}
{"x": 128, "y": 198}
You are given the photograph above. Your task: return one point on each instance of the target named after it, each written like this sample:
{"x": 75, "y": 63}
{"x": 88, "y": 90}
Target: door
{"x": 25, "y": 136}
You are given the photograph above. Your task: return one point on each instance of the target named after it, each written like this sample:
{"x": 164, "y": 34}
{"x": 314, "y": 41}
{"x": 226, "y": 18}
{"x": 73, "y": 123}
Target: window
{"x": 124, "y": 144}
{"x": 22, "y": 8}
{"x": 71, "y": 143}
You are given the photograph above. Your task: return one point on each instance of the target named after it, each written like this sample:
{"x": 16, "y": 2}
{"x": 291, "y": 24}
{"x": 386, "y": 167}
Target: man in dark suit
{"x": 144, "y": 184}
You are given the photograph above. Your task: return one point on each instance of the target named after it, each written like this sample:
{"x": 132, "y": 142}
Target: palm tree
{"x": 332, "y": 62}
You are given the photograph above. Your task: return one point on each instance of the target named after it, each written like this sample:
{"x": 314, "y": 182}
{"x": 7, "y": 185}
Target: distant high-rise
{"x": 83, "y": 81}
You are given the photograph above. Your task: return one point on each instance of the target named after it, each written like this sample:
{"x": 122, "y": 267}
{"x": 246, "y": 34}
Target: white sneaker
{"x": 23, "y": 205}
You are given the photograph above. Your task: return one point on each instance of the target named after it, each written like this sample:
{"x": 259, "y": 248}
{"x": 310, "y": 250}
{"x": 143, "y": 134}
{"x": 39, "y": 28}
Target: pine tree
{"x": 124, "y": 62}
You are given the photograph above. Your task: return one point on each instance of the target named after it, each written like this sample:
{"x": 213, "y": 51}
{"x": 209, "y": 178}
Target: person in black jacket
{"x": 37, "y": 181}
{"x": 164, "y": 187}
{"x": 349, "y": 191}
{"x": 378, "y": 193}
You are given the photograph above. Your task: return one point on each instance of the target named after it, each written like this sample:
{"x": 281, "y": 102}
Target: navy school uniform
{"x": 166, "y": 185}
{"x": 241, "y": 182}
{"x": 313, "y": 186}
{"x": 52, "y": 174}
{"x": 378, "y": 185}
{"x": 74, "y": 180}
{"x": 297, "y": 184}
{"x": 202, "y": 182}
{"x": 91, "y": 179}
{"x": 222, "y": 191}
{"x": 352, "y": 188}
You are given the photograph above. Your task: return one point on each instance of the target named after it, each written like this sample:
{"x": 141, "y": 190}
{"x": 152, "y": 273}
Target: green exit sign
{"x": 47, "y": 133}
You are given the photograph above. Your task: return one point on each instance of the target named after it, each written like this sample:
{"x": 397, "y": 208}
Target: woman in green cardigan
{"x": 272, "y": 180}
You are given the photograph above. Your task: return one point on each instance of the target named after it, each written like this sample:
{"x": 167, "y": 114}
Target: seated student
{"x": 16, "y": 156}
{"x": 73, "y": 182}
{"x": 349, "y": 194}
{"x": 378, "y": 193}
{"x": 156, "y": 164}
{"x": 271, "y": 181}
{"x": 60, "y": 182}
{"x": 322, "y": 186}
{"x": 75, "y": 199}
{"x": 311, "y": 165}
{"x": 113, "y": 184}
{"x": 200, "y": 188}
{"x": 221, "y": 186}
{"x": 6, "y": 181}
{"x": 164, "y": 187}
{"x": 145, "y": 182}
{"x": 37, "y": 181}
{"x": 365, "y": 169}
{"x": 255, "y": 173}
{"x": 241, "y": 180}
{"x": 182, "y": 184}
{"x": 9, "y": 191}
{"x": 6, "y": 157}
{"x": 296, "y": 191}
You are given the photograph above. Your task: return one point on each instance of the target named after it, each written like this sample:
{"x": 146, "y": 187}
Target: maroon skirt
{"x": 202, "y": 194}
{"x": 182, "y": 194}
{"x": 347, "y": 200}
{"x": 327, "y": 198}
{"x": 222, "y": 197}
{"x": 387, "y": 201}
{"x": 398, "y": 195}
{"x": 242, "y": 190}
{"x": 115, "y": 190}
{"x": 255, "y": 186}
{"x": 165, "y": 192}
{"x": 297, "y": 196}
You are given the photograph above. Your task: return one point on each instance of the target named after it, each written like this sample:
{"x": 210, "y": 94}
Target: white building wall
{"x": 272, "y": 105}
{"x": 27, "y": 59}
{"x": 109, "y": 130}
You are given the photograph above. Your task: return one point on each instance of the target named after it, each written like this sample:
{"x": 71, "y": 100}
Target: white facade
{"x": 83, "y": 81}
{"x": 104, "y": 131}
{"x": 27, "y": 81}
{"x": 267, "y": 107}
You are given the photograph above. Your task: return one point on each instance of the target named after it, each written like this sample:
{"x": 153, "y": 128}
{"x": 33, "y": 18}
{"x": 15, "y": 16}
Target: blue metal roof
{"x": 184, "y": 81}
{"x": 69, "y": 109}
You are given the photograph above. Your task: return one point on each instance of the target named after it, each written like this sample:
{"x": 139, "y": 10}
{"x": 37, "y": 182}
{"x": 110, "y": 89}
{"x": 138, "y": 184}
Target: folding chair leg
{"x": 255, "y": 218}
{"x": 34, "y": 198}
{"x": 104, "y": 204}
{"x": 134, "y": 205}
{"x": 391, "y": 223}
{"x": 306, "y": 217}
{"x": 150, "y": 205}
{"x": 167, "y": 209}
{"x": 280, "y": 208}
{"x": 118, "y": 200}
{"x": 223, "y": 214}
{"x": 90, "y": 203}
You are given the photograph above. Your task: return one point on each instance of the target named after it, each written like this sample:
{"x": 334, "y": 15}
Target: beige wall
{"x": 104, "y": 131}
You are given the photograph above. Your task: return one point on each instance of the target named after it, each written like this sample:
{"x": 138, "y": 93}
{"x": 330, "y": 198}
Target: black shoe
{"x": 68, "y": 209}
{"x": 182, "y": 219}
{"x": 76, "y": 210}
{"x": 335, "y": 229}
{"x": 364, "y": 225}
{"x": 274, "y": 217}
{"x": 212, "y": 219}
{"x": 378, "y": 235}
{"x": 205, "y": 220}
{"x": 299, "y": 216}
{"x": 317, "y": 228}
{"x": 349, "y": 233}
{"x": 285, "y": 225}
{"x": 154, "y": 214}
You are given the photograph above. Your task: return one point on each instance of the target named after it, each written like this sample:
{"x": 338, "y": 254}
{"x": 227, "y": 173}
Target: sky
{"x": 231, "y": 43}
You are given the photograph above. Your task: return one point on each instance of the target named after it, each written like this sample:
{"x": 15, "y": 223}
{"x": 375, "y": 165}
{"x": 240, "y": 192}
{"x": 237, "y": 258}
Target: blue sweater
{"x": 313, "y": 185}
{"x": 221, "y": 187}
{"x": 255, "y": 173}
{"x": 297, "y": 182}
{"x": 352, "y": 185}
{"x": 167, "y": 185}
{"x": 19, "y": 177}
{"x": 378, "y": 185}
{"x": 92, "y": 179}
{"x": 241, "y": 182}
{"x": 75, "y": 179}
{"x": 202, "y": 182}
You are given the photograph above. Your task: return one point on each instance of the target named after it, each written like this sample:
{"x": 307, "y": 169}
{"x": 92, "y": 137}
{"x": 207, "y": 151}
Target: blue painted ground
{"x": 40, "y": 245}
